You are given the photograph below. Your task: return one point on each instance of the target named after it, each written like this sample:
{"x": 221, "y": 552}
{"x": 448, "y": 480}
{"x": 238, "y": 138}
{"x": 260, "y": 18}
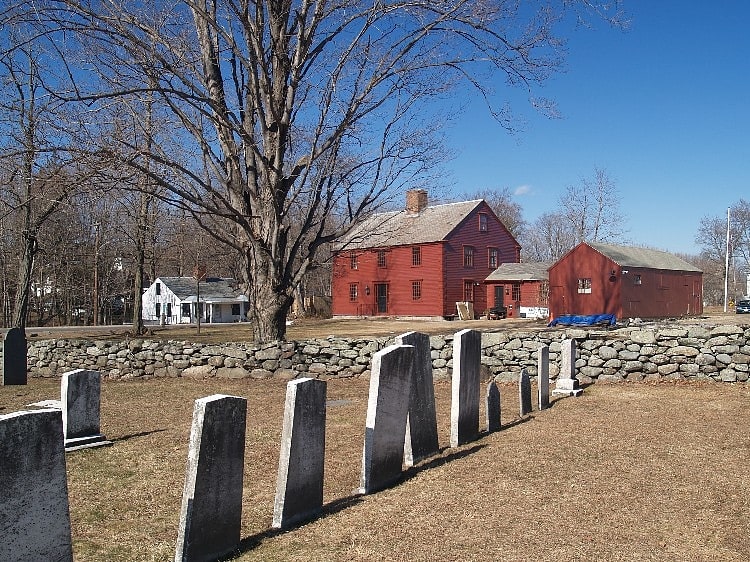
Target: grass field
{"x": 625, "y": 472}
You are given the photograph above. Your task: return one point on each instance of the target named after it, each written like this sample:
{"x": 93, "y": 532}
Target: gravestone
{"x": 467, "y": 350}
{"x": 492, "y": 399}
{"x": 566, "y": 383}
{"x": 80, "y": 399}
{"x": 421, "y": 440}
{"x": 211, "y": 510}
{"x": 14, "y": 357}
{"x": 299, "y": 486}
{"x": 542, "y": 377}
{"x": 34, "y": 513}
{"x": 524, "y": 393}
{"x": 387, "y": 409}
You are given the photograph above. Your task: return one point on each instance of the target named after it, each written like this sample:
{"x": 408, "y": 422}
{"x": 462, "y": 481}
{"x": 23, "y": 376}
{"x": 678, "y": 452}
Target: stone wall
{"x": 652, "y": 353}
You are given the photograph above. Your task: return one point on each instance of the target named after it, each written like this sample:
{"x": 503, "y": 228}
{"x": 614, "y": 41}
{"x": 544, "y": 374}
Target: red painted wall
{"x": 397, "y": 274}
{"x": 661, "y": 293}
{"x": 469, "y": 234}
{"x": 442, "y": 272}
{"x": 530, "y": 291}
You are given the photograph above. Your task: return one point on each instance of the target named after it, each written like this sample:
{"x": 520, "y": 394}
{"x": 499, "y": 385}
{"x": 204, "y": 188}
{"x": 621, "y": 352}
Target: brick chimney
{"x": 416, "y": 201}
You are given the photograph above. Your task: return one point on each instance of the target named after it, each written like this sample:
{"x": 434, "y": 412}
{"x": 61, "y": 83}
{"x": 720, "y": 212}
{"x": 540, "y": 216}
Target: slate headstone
{"x": 387, "y": 409}
{"x": 467, "y": 350}
{"x": 34, "y": 513}
{"x": 80, "y": 400}
{"x": 524, "y": 393}
{"x": 211, "y": 511}
{"x": 421, "y": 426}
{"x": 492, "y": 398}
{"x": 542, "y": 378}
{"x": 299, "y": 486}
{"x": 14, "y": 357}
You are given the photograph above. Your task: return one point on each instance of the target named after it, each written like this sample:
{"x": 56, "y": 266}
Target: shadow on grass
{"x": 253, "y": 541}
{"x": 514, "y": 423}
{"x": 134, "y": 435}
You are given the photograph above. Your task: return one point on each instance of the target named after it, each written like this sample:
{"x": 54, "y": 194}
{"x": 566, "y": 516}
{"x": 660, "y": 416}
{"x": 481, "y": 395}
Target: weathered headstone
{"x": 542, "y": 377}
{"x": 524, "y": 393}
{"x": 211, "y": 510}
{"x": 80, "y": 400}
{"x": 492, "y": 399}
{"x": 299, "y": 487}
{"x": 387, "y": 408}
{"x": 34, "y": 513}
{"x": 566, "y": 383}
{"x": 14, "y": 357}
{"x": 421, "y": 440}
{"x": 467, "y": 350}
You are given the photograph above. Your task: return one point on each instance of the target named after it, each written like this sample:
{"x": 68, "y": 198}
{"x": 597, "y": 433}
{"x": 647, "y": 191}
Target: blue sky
{"x": 664, "y": 108}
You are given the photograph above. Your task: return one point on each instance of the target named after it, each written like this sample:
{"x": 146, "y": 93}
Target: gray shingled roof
{"x": 520, "y": 272}
{"x": 212, "y": 288}
{"x": 627, "y": 256}
{"x": 400, "y": 228}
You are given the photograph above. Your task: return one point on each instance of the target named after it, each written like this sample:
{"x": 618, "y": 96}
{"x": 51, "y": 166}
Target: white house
{"x": 174, "y": 300}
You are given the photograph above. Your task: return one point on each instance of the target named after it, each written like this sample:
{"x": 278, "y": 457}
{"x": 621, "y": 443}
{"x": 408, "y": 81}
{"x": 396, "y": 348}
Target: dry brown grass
{"x": 625, "y": 472}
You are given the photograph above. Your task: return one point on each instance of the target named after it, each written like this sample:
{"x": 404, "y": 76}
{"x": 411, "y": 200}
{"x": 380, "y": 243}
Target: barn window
{"x": 158, "y": 288}
{"x": 416, "y": 290}
{"x": 416, "y": 255}
{"x": 637, "y": 280}
{"x": 482, "y": 222}
{"x": 353, "y": 292}
{"x": 381, "y": 258}
{"x": 468, "y": 256}
{"x": 353, "y": 260}
{"x": 516, "y": 292}
{"x": 469, "y": 291}
{"x": 492, "y": 257}
{"x": 584, "y": 284}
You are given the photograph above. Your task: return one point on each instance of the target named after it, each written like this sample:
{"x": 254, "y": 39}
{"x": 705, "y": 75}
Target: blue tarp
{"x": 591, "y": 320}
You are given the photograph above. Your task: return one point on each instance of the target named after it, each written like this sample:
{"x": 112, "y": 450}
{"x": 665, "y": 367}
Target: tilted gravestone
{"x": 421, "y": 425}
{"x": 80, "y": 400}
{"x": 566, "y": 383}
{"x": 467, "y": 350}
{"x": 524, "y": 393}
{"x": 542, "y": 377}
{"x": 211, "y": 510}
{"x": 387, "y": 409}
{"x": 299, "y": 487}
{"x": 492, "y": 399}
{"x": 34, "y": 512}
{"x": 14, "y": 357}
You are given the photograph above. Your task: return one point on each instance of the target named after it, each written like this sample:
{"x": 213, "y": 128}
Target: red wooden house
{"x": 420, "y": 261}
{"x": 522, "y": 288}
{"x": 628, "y": 282}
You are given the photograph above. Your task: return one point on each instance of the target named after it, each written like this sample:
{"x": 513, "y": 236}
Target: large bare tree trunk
{"x": 25, "y": 268}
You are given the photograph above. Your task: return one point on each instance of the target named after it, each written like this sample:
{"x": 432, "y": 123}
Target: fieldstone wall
{"x": 696, "y": 352}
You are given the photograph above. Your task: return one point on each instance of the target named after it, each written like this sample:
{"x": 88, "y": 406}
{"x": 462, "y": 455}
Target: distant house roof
{"x": 399, "y": 228}
{"x": 520, "y": 272}
{"x": 215, "y": 289}
{"x": 627, "y": 256}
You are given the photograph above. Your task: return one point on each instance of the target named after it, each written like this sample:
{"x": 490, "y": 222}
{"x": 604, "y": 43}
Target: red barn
{"x": 628, "y": 282}
{"x": 420, "y": 261}
{"x": 522, "y": 288}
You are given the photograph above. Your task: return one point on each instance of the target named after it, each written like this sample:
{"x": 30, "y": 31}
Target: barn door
{"x": 499, "y": 295}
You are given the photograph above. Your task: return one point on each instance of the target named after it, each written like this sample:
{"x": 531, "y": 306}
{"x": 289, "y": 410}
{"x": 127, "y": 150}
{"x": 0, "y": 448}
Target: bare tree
{"x": 592, "y": 209}
{"x": 548, "y": 238}
{"x": 305, "y": 108}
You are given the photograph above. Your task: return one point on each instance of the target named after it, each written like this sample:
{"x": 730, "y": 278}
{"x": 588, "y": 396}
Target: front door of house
{"x": 499, "y": 295}
{"x": 381, "y": 295}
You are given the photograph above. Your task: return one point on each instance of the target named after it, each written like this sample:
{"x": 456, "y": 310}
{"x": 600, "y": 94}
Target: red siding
{"x": 442, "y": 273}
{"x": 469, "y": 234}
{"x": 530, "y": 295}
{"x": 661, "y": 293}
{"x": 398, "y": 275}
